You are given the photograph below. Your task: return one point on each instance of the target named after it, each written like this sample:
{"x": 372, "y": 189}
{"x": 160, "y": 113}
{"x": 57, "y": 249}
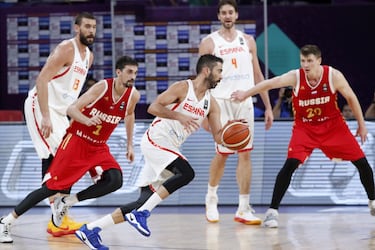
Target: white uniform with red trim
{"x": 238, "y": 74}
{"x": 161, "y": 143}
{"x": 63, "y": 90}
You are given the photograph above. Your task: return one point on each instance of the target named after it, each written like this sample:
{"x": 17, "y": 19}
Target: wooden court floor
{"x": 185, "y": 228}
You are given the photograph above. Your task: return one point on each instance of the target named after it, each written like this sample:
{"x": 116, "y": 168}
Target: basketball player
{"x": 241, "y": 71}
{"x": 318, "y": 123}
{"x": 57, "y": 86}
{"x": 84, "y": 147}
{"x": 179, "y": 112}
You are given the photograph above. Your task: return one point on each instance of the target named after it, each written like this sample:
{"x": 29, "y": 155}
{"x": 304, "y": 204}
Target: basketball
{"x": 236, "y": 135}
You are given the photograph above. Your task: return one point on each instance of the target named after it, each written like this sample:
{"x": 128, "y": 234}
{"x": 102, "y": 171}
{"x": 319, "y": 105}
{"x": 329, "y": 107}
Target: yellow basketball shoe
{"x": 57, "y": 231}
{"x": 71, "y": 224}
{"x": 68, "y": 226}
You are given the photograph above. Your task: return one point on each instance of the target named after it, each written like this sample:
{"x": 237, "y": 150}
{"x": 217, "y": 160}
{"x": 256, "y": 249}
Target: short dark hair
{"x": 224, "y": 2}
{"x": 207, "y": 60}
{"x": 125, "y": 60}
{"x": 82, "y": 15}
{"x": 311, "y": 49}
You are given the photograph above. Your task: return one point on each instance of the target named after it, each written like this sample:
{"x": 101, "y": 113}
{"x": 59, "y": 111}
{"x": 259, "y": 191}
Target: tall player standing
{"x": 241, "y": 71}
{"x": 57, "y": 86}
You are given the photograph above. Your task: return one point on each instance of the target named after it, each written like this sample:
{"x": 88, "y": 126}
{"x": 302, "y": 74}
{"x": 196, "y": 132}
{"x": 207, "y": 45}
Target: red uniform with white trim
{"x": 84, "y": 148}
{"x": 319, "y": 122}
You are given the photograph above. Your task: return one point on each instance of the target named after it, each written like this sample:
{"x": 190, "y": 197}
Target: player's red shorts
{"x": 333, "y": 137}
{"x": 74, "y": 158}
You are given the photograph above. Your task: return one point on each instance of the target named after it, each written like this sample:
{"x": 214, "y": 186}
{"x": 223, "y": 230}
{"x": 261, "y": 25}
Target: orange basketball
{"x": 236, "y": 135}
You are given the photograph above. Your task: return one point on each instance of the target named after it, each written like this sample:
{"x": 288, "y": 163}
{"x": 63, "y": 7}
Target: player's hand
{"x": 93, "y": 121}
{"x": 130, "y": 153}
{"x": 268, "y": 119}
{"x": 238, "y": 96}
{"x": 46, "y": 127}
{"x": 190, "y": 123}
{"x": 362, "y": 133}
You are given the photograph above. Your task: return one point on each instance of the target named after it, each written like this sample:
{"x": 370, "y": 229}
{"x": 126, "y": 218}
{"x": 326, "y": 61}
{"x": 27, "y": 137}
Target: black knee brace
{"x": 183, "y": 174}
{"x": 110, "y": 181}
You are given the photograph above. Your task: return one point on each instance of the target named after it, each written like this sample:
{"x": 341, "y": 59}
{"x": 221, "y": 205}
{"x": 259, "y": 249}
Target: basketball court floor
{"x": 185, "y": 228}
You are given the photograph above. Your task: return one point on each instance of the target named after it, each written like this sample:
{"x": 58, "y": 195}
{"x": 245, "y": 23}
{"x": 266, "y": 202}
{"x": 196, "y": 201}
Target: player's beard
{"x": 212, "y": 83}
{"x": 84, "y": 40}
{"x": 228, "y": 25}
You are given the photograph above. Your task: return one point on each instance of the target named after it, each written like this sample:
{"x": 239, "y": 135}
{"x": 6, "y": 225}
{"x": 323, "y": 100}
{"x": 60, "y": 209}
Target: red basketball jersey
{"x": 111, "y": 112}
{"x": 319, "y": 123}
{"x": 315, "y": 104}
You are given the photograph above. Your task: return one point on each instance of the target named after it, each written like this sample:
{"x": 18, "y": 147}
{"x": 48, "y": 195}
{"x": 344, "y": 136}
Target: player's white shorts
{"x": 236, "y": 110}
{"x": 44, "y": 146}
{"x": 158, "y": 153}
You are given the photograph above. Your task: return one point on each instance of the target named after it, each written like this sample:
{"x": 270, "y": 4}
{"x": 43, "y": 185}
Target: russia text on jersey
{"x": 314, "y": 101}
{"x": 105, "y": 117}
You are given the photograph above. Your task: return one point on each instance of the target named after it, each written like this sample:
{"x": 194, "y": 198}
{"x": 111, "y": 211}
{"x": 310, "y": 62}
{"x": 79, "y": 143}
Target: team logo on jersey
{"x": 106, "y": 98}
{"x": 122, "y": 106}
{"x": 205, "y": 105}
{"x": 325, "y": 88}
{"x": 241, "y": 41}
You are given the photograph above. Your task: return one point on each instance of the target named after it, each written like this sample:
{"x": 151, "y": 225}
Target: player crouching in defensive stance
{"x": 84, "y": 147}
{"x": 179, "y": 112}
{"x": 318, "y": 123}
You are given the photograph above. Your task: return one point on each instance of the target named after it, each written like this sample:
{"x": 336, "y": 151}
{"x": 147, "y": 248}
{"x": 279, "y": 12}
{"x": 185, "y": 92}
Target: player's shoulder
{"x": 136, "y": 94}
{"x": 336, "y": 73}
{"x": 64, "y": 48}
{"x": 67, "y": 43}
{"x": 207, "y": 40}
{"x": 248, "y": 37}
{"x": 180, "y": 84}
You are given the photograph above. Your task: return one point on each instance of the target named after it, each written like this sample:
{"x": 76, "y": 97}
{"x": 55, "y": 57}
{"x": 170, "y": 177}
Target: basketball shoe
{"x": 59, "y": 211}
{"x": 91, "y": 238}
{"x": 68, "y": 226}
{"x": 247, "y": 216}
{"x": 371, "y": 205}
{"x": 5, "y": 236}
{"x": 138, "y": 219}
{"x": 271, "y": 217}
{"x": 212, "y": 214}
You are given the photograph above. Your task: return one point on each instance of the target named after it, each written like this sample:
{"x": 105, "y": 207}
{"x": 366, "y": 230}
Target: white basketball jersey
{"x": 65, "y": 87}
{"x": 173, "y": 129}
{"x": 238, "y": 71}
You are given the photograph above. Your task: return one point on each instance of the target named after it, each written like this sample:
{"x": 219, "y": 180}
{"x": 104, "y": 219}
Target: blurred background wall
{"x": 30, "y": 29}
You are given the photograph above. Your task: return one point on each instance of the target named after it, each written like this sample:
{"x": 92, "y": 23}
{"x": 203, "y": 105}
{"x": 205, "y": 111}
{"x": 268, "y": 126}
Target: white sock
{"x": 52, "y": 206}
{"x": 103, "y": 222}
{"x": 9, "y": 219}
{"x": 151, "y": 203}
{"x": 70, "y": 200}
{"x": 211, "y": 191}
{"x": 244, "y": 201}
